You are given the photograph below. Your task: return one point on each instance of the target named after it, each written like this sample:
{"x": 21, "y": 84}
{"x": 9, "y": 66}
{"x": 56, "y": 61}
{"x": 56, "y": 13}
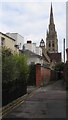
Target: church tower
{"x": 51, "y": 39}
{"x": 42, "y": 43}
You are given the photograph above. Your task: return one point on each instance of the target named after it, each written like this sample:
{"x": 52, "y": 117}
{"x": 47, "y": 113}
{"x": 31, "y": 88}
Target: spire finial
{"x": 51, "y": 15}
{"x": 51, "y": 8}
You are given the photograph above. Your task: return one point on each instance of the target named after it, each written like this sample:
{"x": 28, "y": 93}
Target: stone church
{"x": 51, "y": 55}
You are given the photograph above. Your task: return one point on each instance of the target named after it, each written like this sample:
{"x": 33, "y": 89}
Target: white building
{"x": 33, "y": 58}
{"x": 39, "y": 51}
{"x": 19, "y": 40}
{"x": 32, "y": 47}
{"x": 33, "y": 53}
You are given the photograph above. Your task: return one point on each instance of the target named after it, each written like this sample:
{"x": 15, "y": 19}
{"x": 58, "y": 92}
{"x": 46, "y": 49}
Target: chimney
{"x": 64, "y": 49}
{"x": 29, "y": 42}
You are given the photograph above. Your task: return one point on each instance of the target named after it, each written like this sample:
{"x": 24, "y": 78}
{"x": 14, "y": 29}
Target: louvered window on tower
{"x": 49, "y": 45}
{"x": 52, "y": 44}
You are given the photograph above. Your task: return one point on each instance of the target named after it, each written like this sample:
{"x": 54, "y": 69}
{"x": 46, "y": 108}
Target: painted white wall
{"x": 39, "y": 51}
{"x": 34, "y": 47}
{"x": 31, "y": 47}
{"x": 0, "y": 40}
{"x": 19, "y": 40}
{"x": 35, "y": 60}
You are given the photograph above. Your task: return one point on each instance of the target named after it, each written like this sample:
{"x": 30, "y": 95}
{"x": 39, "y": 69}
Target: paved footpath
{"x": 45, "y": 102}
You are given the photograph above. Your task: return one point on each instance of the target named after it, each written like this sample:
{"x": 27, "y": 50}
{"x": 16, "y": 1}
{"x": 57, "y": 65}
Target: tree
{"x": 14, "y": 66}
{"x": 59, "y": 67}
{"x": 15, "y": 73}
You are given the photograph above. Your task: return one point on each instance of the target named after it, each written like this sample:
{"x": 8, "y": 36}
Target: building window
{"x": 49, "y": 44}
{"x": 20, "y": 45}
{"x": 42, "y": 45}
{"x": 53, "y": 44}
{"x": 2, "y": 41}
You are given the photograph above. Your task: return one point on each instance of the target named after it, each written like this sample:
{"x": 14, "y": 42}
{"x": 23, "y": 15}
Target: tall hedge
{"x": 15, "y": 73}
{"x": 66, "y": 74}
{"x": 59, "y": 69}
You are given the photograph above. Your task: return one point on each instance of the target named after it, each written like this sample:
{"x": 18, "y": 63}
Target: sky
{"x": 67, "y": 25}
{"x": 31, "y": 19}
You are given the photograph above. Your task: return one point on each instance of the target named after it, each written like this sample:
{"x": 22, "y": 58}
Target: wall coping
{"x": 43, "y": 66}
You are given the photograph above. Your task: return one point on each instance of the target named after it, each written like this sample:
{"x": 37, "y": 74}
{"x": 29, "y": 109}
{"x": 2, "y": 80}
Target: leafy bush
{"x": 59, "y": 66}
{"x": 15, "y": 72}
{"x": 66, "y": 75}
{"x": 14, "y": 67}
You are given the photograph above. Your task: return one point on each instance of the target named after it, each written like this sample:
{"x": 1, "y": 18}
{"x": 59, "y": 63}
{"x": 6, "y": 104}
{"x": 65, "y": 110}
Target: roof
{"x": 15, "y": 33}
{"x": 45, "y": 58}
{"x": 42, "y": 41}
{"x": 7, "y": 36}
{"x": 31, "y": 54}
{"x": 55, "y": 56}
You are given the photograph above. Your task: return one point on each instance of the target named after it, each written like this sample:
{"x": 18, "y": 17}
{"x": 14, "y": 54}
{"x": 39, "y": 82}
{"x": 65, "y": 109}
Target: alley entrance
{"x": 45, "y": 102}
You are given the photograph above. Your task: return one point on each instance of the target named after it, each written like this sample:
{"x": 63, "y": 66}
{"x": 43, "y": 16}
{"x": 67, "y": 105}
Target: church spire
{"x": 51, "y": 15}
{"x": 51, "y": 39}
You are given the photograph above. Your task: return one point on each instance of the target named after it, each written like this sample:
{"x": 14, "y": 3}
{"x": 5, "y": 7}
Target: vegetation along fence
{"x": 66, "y": 74}
{"x": 15, "y": 72}
{"x": 41, "y": 75}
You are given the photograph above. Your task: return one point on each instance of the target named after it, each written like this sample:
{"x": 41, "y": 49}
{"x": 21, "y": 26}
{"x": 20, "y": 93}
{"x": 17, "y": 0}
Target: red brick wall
{"x": 38, "y": 75}
{"x": 42, "y": 75}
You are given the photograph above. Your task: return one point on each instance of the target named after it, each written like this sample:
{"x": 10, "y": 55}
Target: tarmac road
{"x": 45, "y": 102}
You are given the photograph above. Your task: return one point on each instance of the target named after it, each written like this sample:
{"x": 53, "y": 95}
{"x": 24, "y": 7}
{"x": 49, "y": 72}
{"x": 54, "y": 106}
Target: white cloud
{"x": 31, "y": 19}
{"x": 67, "y": 25}
{"x": 33, "y": 1}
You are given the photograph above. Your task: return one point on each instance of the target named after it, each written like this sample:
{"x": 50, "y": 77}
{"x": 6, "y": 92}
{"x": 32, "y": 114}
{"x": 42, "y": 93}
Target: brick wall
{"x": 38, "y": 75}
{"x": 42, "y": 75}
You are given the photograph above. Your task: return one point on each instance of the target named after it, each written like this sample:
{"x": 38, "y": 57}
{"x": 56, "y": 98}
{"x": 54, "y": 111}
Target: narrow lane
{"x": 45, "y": 102}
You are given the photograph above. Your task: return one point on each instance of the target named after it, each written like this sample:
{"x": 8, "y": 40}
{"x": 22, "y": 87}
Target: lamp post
{"x": 64, "y": 49}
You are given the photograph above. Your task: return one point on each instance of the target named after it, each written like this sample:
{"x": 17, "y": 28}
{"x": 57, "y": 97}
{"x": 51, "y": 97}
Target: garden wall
{"x": 42, "y": 75}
